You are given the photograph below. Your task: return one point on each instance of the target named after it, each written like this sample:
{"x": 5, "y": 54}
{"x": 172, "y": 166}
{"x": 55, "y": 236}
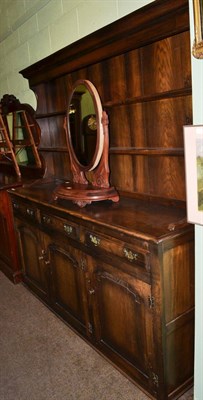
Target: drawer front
{"x": 29, "y": 211}
{"x": 60, "y": 224}
{"x": 129, "y": 253}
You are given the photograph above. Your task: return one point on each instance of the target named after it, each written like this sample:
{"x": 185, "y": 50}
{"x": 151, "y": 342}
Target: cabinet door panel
{"x": 123, "y": 326}
{"x": 32, "y": 257}
{"x": 68, "y": 285}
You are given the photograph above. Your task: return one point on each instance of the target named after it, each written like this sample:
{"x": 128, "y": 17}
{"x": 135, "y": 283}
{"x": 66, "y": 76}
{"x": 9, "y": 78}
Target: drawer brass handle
{"x": 130, "y": 255}
{"x": 30, "y": 212}
{"x": 95, "y": 240}
{"x": 91, "y": 291}
{"x": 46, "y": 219}
{"x": 42, "y": 257}
{"x": 68, "y": 229}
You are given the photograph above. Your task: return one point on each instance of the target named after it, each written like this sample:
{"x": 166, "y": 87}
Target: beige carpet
{"x": 42, "y": 359}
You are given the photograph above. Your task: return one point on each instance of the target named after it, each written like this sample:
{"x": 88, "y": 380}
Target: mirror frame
{"x": 197, "y": 49}
{"x": 100, "y": 134}
{"x": 85, "y": 188}
{"x": 9, "y": 104}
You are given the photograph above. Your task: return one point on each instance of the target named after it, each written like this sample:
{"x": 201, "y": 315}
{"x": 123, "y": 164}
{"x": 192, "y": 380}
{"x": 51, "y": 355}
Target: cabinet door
{"x": 68, "y": 282}
{"x": 123, "y": 321}
{"x": 32, "y": 258}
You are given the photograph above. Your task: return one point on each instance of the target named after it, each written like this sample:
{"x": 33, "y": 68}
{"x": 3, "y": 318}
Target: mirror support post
{"x": 78, "y": 174}
{"x": 101, "y": 174}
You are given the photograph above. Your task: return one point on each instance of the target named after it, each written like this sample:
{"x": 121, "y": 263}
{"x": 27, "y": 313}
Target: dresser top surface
{"x": 148, "y": 219}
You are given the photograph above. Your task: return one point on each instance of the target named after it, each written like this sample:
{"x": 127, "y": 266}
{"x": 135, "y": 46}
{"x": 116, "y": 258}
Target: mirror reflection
{"x": 20, "y": 133}
{"x": 83, "y": 125}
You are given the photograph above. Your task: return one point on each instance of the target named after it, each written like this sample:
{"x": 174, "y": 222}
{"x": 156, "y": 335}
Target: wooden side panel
{"x": 178, "y": 294}
{"x": 179, "y": 358}
{"x": 178, "y": 279}
{"x": 8, "y": 250}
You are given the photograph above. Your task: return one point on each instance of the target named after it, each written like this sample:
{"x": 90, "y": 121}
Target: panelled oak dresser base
{"x": 120, "y": 274}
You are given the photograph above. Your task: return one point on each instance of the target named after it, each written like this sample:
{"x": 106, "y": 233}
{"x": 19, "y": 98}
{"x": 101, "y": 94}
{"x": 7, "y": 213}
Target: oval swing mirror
{"x": 85, "y": 129}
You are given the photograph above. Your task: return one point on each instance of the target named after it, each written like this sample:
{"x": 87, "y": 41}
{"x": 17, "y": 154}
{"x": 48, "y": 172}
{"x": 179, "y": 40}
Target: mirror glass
{"x": 85, "y": 128}
{"x": 20, "y": 136}
{"x": 22, "y": 132}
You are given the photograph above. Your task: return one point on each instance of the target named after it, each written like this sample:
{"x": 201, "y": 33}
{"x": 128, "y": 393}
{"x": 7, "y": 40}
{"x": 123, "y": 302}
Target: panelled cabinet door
{"x": 123, "y": 321}
{"x": 32, "y": 256}
{"x": 68, "y": 284}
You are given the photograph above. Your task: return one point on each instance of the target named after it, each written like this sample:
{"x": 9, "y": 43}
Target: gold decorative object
{"x": 197, "y": 49}
{"x": 130, "y": 255}
{"x": 95, "y": 240}
{"x": 68, "y": 229}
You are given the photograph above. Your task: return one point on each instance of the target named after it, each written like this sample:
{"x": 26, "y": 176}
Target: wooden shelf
{"x": 54, "y": 149}
{"x": 51, "y": 114}
{"x": 187, "y": 91}
{"x": 152, "y": 97}
{"x": 146, "y": 151}
{"x": 142, "y": 151}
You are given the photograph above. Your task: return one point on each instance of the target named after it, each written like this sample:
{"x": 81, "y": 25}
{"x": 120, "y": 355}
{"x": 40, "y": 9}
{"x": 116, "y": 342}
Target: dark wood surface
{"x": 122, "y": 275}
{"x": 9, "y": 263}
{"x": 140, "y": 66}
{"x": 7, "y": 181}
{"x": 147, "y": 219}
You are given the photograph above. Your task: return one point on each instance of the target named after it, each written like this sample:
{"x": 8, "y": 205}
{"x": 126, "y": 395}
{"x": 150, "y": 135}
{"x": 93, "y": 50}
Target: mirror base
{"x": 83, "y": 194}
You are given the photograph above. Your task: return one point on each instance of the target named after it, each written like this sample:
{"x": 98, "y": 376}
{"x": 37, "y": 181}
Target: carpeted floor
{"x": 42, "y": 359}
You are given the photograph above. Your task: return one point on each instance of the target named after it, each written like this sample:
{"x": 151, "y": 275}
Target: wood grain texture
{"x": 141, "y": 69}
{"x": 121, "y": 274}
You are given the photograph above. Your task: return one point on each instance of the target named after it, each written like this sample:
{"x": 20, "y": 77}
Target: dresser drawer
{"x": 27, "y": 210}
{"x": 129, "y": 253}
{"x": 61, "y": 225}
